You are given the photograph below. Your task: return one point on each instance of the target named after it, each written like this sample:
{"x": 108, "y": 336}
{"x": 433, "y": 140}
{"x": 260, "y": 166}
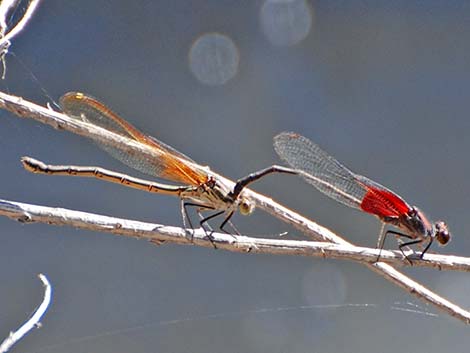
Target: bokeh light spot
{"x": 213, "y": 59}
{"x": 286, "y": 22}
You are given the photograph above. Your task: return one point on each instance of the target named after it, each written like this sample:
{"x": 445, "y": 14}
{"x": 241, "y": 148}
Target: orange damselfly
{"x": 200, "y": 189}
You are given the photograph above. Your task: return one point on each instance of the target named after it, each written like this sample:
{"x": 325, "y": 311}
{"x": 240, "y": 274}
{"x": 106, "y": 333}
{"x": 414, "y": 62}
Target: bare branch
{"x": 23, "y": 108}
{"x": 159, "y": 234}
{"x": 33, "y": 321}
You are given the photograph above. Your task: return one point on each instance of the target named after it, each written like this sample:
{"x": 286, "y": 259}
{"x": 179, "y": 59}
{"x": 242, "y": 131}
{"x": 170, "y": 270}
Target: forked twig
{"x": 6, "y": 6}
{"x": 33, "y": 321}
{"x": 57, "y": 120}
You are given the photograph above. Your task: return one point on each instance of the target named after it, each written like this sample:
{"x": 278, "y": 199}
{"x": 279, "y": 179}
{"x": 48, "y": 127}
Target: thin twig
{"x": 33, "y": 321}
{"x": 5, "y": 7}
{"x": 5, "y": 39}
{"x": 22, "y": 23}
{"x": 159, "y": 234}
{"x": 23, "y": 108}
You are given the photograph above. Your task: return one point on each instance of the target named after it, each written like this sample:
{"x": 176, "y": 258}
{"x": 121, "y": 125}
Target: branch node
{"x": 25, "y": 218}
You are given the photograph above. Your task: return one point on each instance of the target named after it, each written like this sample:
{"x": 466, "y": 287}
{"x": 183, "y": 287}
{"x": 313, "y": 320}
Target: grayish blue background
{"x": 383, "y": 86}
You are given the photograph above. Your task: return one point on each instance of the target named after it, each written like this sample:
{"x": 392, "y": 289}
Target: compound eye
{"x": 442, "y": 233}
{"x": 245, "y": 207}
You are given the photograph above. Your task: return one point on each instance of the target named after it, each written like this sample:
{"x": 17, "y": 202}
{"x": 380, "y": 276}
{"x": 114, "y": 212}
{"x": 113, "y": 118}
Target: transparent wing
{"x": 320, "y": 169}
{"x": 335, "y": 180}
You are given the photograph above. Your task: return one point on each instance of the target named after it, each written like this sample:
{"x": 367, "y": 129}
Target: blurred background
{"x": 383, "y": 86}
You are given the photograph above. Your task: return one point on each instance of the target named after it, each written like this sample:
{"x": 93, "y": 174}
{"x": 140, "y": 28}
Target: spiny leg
{"x": 417, "y": 241}
{"x": 431, "y": 239}
{"x": 186, "y": 219}
{"x": 205, "y": 220}
{"x": 402, "y": 245}
{"x": 381, "y": 240}
{"x": 222, "y": 225}
{"x": 227, "y": 219}
{"x": 207, "y": 227}
{"x": 201, "y": 223}
{"x": 237, "y": 232}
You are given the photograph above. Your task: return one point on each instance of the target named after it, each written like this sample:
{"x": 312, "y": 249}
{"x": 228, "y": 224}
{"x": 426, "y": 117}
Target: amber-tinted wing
{"x": 170, "y": 164}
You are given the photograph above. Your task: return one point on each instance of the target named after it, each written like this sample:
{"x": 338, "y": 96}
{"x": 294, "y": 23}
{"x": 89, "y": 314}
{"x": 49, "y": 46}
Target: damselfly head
{"x": 245, "y": 206}
{"x": 442, "y": 233}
